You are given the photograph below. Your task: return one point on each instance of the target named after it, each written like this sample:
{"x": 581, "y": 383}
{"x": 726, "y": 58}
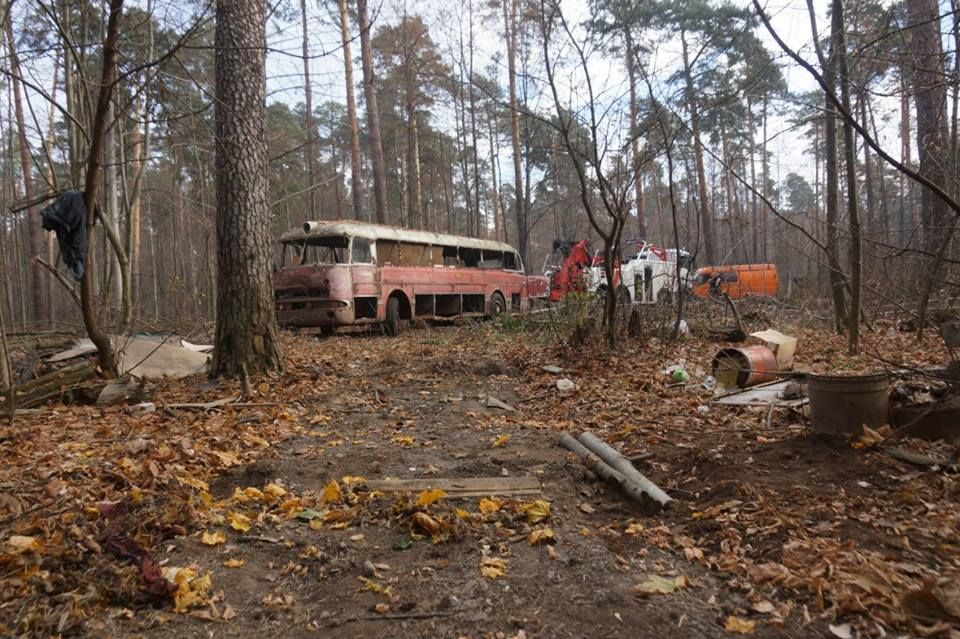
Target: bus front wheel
{"x": 497, "y": 305}
{"x": 392, "y": 324}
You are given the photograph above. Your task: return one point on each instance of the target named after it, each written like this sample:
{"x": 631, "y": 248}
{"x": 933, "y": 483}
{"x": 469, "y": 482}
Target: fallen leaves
{"x": 493, "y": 567}
{"x": 192, "y": 589}
{"x": 536, "y": 511}
{"x": 213, "y": 538}
{"x": 660, "y": 585}
{"x": 233, "y": 562}
{"x": 428, "y": 497}
{"x": 24, "y": 543}
{"x": 740, "y": 625}
{"x": 331, "y": 492}
{"x": 239, "y": 521}
{"x": 541, "y": 535}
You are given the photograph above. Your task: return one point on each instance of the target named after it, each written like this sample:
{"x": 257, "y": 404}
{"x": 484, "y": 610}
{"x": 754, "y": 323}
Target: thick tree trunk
{"x": 706, "y": 216}
{"x": 635, "y": 133}
{"x": 246, "y": 337}
{"x": 309, "y": 149}
{"x": 373, "y": 115}
{"x": 930, "y": 99}
{"x": 356, "y": 165}
{"x": 105, "y": 355}
{"x": 510, "y": 9}
{"x": 853, "y": 208}
{"x": 495, "y": 196}
{"x": 35, "y": 242}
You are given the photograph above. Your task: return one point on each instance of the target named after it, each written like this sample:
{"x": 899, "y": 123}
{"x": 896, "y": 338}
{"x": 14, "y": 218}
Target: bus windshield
{"x": 317, "y": 250}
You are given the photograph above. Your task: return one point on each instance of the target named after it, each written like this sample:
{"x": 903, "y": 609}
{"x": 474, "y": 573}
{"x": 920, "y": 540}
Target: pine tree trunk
{"x": 373, "y": 115}
{"x": 495, "y": 196}
{"x": 853, "y": 208}
{"x": 34, "y": 240}
{"x": 246, "y": 336}
{"x": 706, "y": 216}
{"x": 309, "y": 149}
{"x": 635, "y": 133}
{"x": 356, "y": 165}
{"x": 930, "y": 99}
{"x": 510, "y": 9}
{"x": 92, "y": 183}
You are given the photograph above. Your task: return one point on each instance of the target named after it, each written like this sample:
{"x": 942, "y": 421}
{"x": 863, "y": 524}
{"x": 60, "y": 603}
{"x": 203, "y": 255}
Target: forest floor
{"x": 256, "y": 520}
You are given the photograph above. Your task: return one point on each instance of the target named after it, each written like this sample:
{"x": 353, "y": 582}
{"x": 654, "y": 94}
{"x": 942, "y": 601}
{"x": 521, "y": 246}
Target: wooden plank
{"x": 461, "y": 486}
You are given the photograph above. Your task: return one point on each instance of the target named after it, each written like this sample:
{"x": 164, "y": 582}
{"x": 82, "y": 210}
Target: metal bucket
{"x": 744, "y": 367}
{"x": 841, "y": 405}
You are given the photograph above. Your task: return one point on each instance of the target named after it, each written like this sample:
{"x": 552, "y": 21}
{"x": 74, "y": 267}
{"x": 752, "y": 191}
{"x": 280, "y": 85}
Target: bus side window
{"x": 388, "y": 252}
{"x": 492, "y": 259}
{"x": 510, "y": 261}
{"x": 470, "y": 257}
{"x": 450, "y": 257}
{"x": 361, "y": 253}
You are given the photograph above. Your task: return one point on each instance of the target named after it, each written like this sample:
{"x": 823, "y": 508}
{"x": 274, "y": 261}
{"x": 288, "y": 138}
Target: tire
{"x": 392, "y": 323}
{"x": 498, "y": 305}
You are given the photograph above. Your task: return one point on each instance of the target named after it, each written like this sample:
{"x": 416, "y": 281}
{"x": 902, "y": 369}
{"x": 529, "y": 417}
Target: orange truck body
{"x": 737, "y": 281}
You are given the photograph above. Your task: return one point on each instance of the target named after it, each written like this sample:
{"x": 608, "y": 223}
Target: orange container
{"x": 743, "y": 367}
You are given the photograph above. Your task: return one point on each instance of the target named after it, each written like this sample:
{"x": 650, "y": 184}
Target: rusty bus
{"x": 340, "y": 274}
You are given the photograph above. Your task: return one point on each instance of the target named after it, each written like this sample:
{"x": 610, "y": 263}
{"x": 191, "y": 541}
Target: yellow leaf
{"x": 275, "y": 491}
{"x": 501, "y": 440}
{"x": 136, "y": 495}
{"x": 634, "y": 529}
{"x": 536, "y": 510}
{"x": 264, "y": 388}
{"x": 238, "y": 521}
{"x": 316, "y": 524}
{"x": 740, "y": 625}
{"x": 427, "y": 523}
{"x": 493, "y": 567}
{"x": 461, "y": 513}
{"x": 488, "y": 506}
{"x": 191, "y": 589}
{"x": 541, "y": 535}
{"x": 331, "y": 492}
{"x": 247, "y": 494}
{"x": 213, "y": 538}
{"x": 233, "y": 563}
{"x": 227, "y": 458}
{"x": 428, "y": 497}
{"x": 349, "y": 480}
{"x": 23, "y": 543}
{"x": 193, "y": 482}
{"x": 657, "y": 585}
{"x": 404, "y": 440}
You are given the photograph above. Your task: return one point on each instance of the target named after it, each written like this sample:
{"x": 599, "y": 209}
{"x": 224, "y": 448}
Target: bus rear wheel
{"x": 497, "y": 305}
{"x": 392, "y": 323}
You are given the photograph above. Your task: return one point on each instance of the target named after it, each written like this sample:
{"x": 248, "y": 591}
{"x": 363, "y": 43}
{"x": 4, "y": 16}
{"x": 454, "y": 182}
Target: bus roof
{"x": 395, "y": 233}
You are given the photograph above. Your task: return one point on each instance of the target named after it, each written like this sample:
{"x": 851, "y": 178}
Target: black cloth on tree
{"x": 67, "y": 217}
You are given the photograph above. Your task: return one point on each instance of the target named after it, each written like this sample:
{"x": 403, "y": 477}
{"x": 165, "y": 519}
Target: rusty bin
{"x": 842, "y": 405}
{"x": 744, "y": 367}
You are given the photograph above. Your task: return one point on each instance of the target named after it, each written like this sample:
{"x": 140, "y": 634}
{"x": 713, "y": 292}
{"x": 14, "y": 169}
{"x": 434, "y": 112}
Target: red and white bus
{"x": 339, "y": 274}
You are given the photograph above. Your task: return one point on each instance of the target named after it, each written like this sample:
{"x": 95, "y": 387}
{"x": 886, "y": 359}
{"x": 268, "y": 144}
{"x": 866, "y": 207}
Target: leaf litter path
{"x": 262, "y": 519}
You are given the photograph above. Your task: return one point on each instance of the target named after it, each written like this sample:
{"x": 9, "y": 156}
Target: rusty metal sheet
{"x": 762, "y": 395}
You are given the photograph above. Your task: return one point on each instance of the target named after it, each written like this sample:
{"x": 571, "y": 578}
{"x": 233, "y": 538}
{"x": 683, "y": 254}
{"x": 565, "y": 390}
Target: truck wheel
{"x": 392, "y": 324}
{"x": 497, "y": 305}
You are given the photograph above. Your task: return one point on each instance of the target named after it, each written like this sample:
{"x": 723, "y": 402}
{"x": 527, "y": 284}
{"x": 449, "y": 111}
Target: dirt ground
{"x": 772, "y": 533}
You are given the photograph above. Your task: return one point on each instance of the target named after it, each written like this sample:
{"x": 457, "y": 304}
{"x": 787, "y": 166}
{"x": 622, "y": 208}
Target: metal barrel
{"x": 842, "y": 405}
